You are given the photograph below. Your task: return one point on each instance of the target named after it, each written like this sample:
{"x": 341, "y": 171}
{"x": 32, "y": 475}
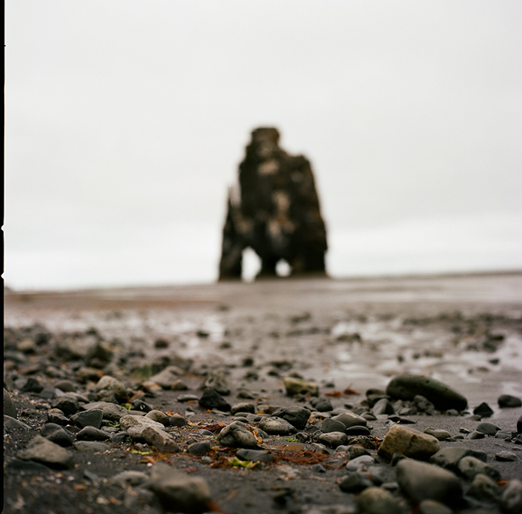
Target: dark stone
{"x": 450, "y": 457}
{"x": 331, "y": 425}
{"x": 199, "y": 448}
{"x": 406, "y": 387}
{"x": 357, "y": 430}
{"x": 32, "y": 386}
{"x": 508, "y": 401}
{"x": 27, "y": 465}
{"x": 88, "y": 418}
{"x": 354, "y": 483}
{"x": 211, "y": 399}
{"x": 383, "y": 406}
{"x": 90, "y": 433}
{"x": 488, "y": 428}
{"x": 8, "y": 406}
{"x": 275, "y": 212}
{"x": 297, "y": 416}
{"x": 57, "y": 434}
{"x": 321, "y": 404}
{"x": 483, "y": 410}
{"x": 67, "y": 404}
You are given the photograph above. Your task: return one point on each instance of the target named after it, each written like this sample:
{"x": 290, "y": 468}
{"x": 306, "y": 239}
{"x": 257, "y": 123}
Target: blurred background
{"x": 125, "y": 122}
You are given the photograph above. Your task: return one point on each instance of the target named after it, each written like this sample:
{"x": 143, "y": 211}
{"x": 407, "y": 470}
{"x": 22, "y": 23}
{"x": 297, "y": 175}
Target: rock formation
{"x": 275, "y": 212}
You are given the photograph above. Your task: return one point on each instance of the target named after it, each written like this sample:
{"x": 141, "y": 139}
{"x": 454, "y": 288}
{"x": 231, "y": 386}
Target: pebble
{"x": 57, "y": 434}
{"x": 216, "y": 379}
{"x": 168, "y": 378}
{"x": 506, "y": 456}
{"x": 236, "y": 435}
{"x": 519, "y": 424}
{"x": 179, "y": 492}
{"x": 383, "y": 406}
{"x": 511, "y": 500}
{"x": 131, "y": 478}
{"x": 42, "y": 450}
{"x": 276, "y": 426}
{"x": 349, "y": 419}
{"x": 58, "y": 417}
{"x": 476, "y": 435}
{"x": 508, "y": 401}
{"x": 353, "y": 451}
{"x": 333, "y": 439}
{"x": 443, "y": 397}
{"x": 243, "y": 407}
{"x": 449, "y": 457}
{"x": 296, "y": 416}
{"x": 199, "y": 448}
{"x": 254, "y": 455}
{"x": 211, "y": 399}
{"x": 8, "y": 406}
{"x": 90, "y": 433}
{"x": 154, "y": 436}
{"x": 110, "y": 411}
{"x": 440, "y": 434}
{"x": 128, "y": 421}
{"x": 483, "y": 410}
{"x": 160, "y": 417}
{"x": 354, "y": 483}
{"x": 487, "y": 428}
{"x": 423, "y": 481}
{"x": 67, "y": 404}
{"x": 13, "y": 423}
{"x": 88, "y": 418}
{"x": 91, "y": 446}
{"x": 357, "y": 430}
{"x": 177, "y": 420}
{"x": 375, "y": 500}
{"x": 361, "y": 462}
{"x": 321, "y": 404}
{"x": 332, "y": 425}
{"x": 423, "y": 404}
{"x": 469, "y": 467}
{"x": 295, "y": 386}
{"x": 409, "y": 442}
{"x": 65, "y": 385}
{"x": 115, "y": 386}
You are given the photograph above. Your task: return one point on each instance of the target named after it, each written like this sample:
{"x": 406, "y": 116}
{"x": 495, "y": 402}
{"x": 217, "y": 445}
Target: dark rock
{"x": 321, "y": 404}
{"x": 211, "y": 399}
{"x": 236, "y": 435}
{"x": 58, "y": 417}
{"x": 27, "y": 465}
{"x": 483, "y": 410}
{"x": 67, "y": 404}
{"x": 406, "y": 387}
{"x": 383, "y": 406}
{"x": 487, "y": 428}
{"x": 141, "y": 406}
{"x": 254, "y": 455}
{"x": 65, "y": 385}
{"x": 276, "y": 426}
{"x": 333, "y": 439}
{"x": 450, "y": 457}
{"x": 297, "y": 416}
{"x": 243, "y": 407}
{"x": 216, "y": 379}
{"x": 357, "y": 430}
{"x": 275, "y": 212}
{"x": 469, "y": 467}
{"x": 508, "y": 401}
{"x": 91, "y": 433}
{"x": 354, "y": 483}
{"x": 331, "y": 425}
{"x": 41, "y": 450}
{"x": 375, "y": 500}
{"x": 355, "y": 451}
{"x": 422, "y": 481}
{"x": 519, "y": 425}
{"x": 32, "y": 386}
{"x": 57, "y": 434}
{"x": 91, "y": 446}
{"x": 8, "y": 407}
{"x": 89, "y": 418}
{"x": 349, "y": 419}
{"x": 476, "y": 435}
{"x": 15, "y": 424}
{"x": 176, "y": 420}
{"x": 199, "y": 448}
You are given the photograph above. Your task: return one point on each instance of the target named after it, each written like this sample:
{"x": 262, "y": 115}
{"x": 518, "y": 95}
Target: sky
{"x": 125, "y": 122}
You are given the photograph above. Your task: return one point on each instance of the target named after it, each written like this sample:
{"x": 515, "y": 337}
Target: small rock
{"x": 67, "y": 404}
{"x": 483, "y": 410}
{"x": 354, "y": 483}
{"x": 469, "y": 467}
{"x": 422, "y": 404}
{"x": 160, "y": 417}
{"x": 505, "y": 456}
{"x": 409, "y": 442}
{"x": 332, "y": 425}
{"x": 353, "y": 451}
{"x": 349, "y": 419}
{"x": 443, "y": 397}
{"x": 211, "y": 399}
{"x": 15, "y": 424}
{"x": 359, "y": 463}
{"x": 476, "y": 435}
{"x": 440, "y": 434}
{"x": 91, "y": 446}
{"x": 375, "y": 500}
{"x": 483, "y": 488}
{"x": 179, "y": 492}
{"x": 508, "y": 401}
{"x": 177, "y": 420}
{"x": 236, "y": 435}
{"x": 297, "y": 416}
{"x": 433, "y": 507}
{"x": 41, "y": 450}
{"x": 487, "y": 428}
{"x": 216, "y": 379}
{"x": 154, "y": 436}
{"x": 9, "y": 408}
{"x": 108, "y": 383}
{"x": 276, "y": 426}
{"x": 357, "y": 430}
{"x": 88, "y": 418}
{"x": 254, "y": 455}
{"x": 243, "y": 407}
{"x": 295, "y": 386}
{"x": 65, "y": 385}
{"x": 511, "y": 500}
{"x": 56, "y": 434}
{"x": 128, "y": 421}
{"x": 383, "y": 406}
{"x": 168, "y": 378}
{"x": 199, "y": 448}
{"x": 58, "y": 417}
{"x": 334, "y": 439}
{"x": 91, "y": 433}
{"x": 131, "y": 478}
{"x": 321, "y": 404}
{"x": 422, "y": 481}
{"x": 111, "y": 411}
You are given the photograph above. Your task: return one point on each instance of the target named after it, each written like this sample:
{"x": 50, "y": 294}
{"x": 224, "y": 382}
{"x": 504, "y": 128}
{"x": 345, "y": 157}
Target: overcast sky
{"x": 126, "y": 120}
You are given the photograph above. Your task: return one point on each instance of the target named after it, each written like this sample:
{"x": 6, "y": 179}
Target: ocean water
{"x": 188, "y": 252}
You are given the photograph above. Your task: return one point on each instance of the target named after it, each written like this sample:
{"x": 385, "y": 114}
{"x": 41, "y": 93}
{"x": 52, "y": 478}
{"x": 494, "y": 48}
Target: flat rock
{"x": 91, "y": 446}
{"x": 108, "y": 383}
{"x": 375, "y": 500}
{"x": 160, "y": 417}
{"x": 296, "y": 416}
{"x": 508, "y": 401}
{"x": 57, "y": 434}
{"x": 236, "y": 435}
{"x": 332, "y": 425}
{"x": 333, "y": 439}
{"x": 406, "y": 387}
{"x": 423, "y": 481}
{"x": 254, "y": 455}
{"x": 276, "y": 426}
{"x": 361, "y": 462}
{"x": 487, "y": 428}
{"x": 154, "y": 436}
{"x": 8, "y": 407}
{"x": 409, "y": 442}
{"x": 438, "y": 433}
{"x": 42, "y": 450}
{"x": 511, "y": 500}
{"x": 243, "y": 407}
{"x": 483, "y": 410}
{"x": 199, "y": 448}
{"x": 469, "y": 467}
{"x": 505, "y": 456}
{"x": 91, "y": 433}
{"x": 128, "y": 421}
{"x": 357, "y": 430}
{"x": 350, "y": 419}
{"x": 13, "y": 423}
{"x": 295, "y": 386}
{"x": 88, "y": 418}
{"x": 179, "y": 492}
